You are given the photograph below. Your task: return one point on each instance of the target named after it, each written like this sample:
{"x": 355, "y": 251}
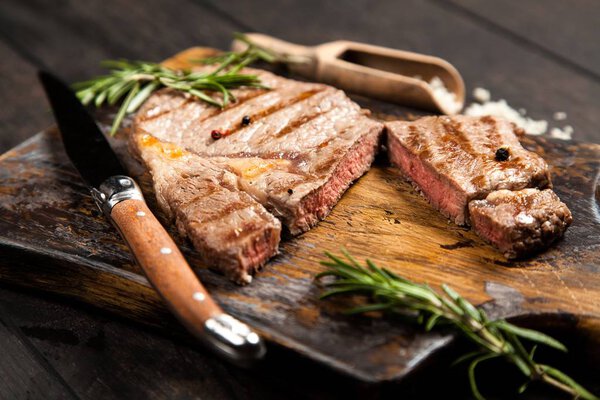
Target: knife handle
{"x": 168, "y": 271}
{"x": 164, "y": 265}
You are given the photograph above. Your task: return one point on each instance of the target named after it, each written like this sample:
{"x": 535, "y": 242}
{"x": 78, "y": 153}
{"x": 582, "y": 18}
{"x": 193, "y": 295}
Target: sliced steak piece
{"x": 304, "y": 145}
{"x": 452, "y": 160}
{"x": 231, "y": 231}
{"x": 303, "y": 188}
{"x": 520, "y": 222}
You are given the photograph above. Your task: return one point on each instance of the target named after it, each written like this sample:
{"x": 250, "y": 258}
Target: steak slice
{"x": 232, "y": 232}
{"x": 452, "y": 160}
{"x": 520, "y": 222}
{"x": 305, "y": 144}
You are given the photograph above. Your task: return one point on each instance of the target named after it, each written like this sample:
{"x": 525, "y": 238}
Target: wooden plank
{"x": 24, "y": 110}
{"x": 485, "y": 58}
{"x": 24, "y": 373}
{"x": 565, "y": 31}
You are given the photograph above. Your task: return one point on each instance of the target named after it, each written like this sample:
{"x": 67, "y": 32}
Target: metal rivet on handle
{"x": 125, "y": 182}
{"x": 198, "y": 296}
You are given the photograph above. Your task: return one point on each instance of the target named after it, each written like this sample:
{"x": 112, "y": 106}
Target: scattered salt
{"x": 445, "y": 98}
{"x": 502, "y": 109}
{"x": 560, "y": 116}
{"x": 564, "y": 134}
{"x": 482, "y": 95}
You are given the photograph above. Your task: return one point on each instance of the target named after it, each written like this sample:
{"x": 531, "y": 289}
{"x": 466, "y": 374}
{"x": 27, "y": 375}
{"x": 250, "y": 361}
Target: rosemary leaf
{"x": 431, "y": 322}
{"x": 367, "y": 308}
{"x": 123, "y": 109}
{"x": 466, "y": 357}
{"x": 531, "y": 335}
{"x": 472, "y": 380}
{"x": 142, "y": 95}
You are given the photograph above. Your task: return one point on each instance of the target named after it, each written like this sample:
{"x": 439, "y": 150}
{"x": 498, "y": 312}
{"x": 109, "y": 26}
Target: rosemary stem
{"x": 559, "y": 385}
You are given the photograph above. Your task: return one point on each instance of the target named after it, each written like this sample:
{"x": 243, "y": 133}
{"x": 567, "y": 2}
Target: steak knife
{"x": 120, "y": 199}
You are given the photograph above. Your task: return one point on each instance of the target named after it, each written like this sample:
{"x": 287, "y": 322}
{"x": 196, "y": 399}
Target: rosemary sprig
{"x": 492, "y": 338}
{"x": 132, "y": 82}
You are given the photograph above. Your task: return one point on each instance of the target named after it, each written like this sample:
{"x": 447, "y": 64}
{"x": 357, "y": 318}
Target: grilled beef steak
{"x": 454, "y": 160}
{"x": 474, "y": 170}
{"x": 234, "y": 233}
{"x": 294, "y": 149}
{"x": 520, "y": 222}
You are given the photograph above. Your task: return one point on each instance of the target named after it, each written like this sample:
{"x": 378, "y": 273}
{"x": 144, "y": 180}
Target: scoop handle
{"x": 301, "y": 58}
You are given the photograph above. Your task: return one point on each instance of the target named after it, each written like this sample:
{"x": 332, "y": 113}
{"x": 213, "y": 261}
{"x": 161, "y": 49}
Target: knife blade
{"x": 120, "y": 199}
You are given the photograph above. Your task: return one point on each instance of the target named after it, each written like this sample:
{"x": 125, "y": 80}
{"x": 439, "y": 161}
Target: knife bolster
{"x": 115, "y": 190}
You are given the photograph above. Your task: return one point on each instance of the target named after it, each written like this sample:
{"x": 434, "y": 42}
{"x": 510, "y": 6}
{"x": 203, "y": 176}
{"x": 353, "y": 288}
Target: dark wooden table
{"x": 542, "y": 56}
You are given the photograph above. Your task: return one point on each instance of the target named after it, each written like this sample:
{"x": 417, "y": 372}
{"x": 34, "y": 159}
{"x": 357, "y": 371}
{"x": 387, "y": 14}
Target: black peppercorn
{"x": 246, "y": 120}
{"x": 290, "y": 191}
{"x": 502, "y": 154}
{"x": 216, "y": 135}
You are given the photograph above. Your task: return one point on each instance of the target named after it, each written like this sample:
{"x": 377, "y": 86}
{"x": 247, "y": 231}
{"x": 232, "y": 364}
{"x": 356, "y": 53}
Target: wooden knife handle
{"x": 120, "y": 198}
{"x": 164, "y": 265}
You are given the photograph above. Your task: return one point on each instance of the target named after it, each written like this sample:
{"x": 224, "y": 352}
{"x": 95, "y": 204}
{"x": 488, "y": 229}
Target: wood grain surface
{"x": 47, "y": 213}
{"x": 521, "y": 51}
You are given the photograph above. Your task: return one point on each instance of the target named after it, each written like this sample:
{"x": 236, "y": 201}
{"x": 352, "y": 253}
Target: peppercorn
{"x": 502, "y": 154}
{"x": 290, "y": 191}
{"x": 216, "y": 135}
{"x": 246, "y": 120}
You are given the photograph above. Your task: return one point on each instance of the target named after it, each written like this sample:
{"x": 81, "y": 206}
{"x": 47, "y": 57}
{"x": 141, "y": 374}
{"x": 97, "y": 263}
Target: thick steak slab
{"x": 304, "y": 145}
{"x": 235, "y": 234}
{"x": 521, "y": 222}
{"x": 452, "y": 160}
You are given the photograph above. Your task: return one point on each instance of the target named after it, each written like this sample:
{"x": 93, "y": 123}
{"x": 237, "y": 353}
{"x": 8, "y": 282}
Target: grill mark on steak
{"x": 456, "y": 140}
{"x": 298, "y": 122}
{"x": 227, "y": 210}
{"x": 492, "y": 132}
{"x": 195, "y": 199}
{"x": 256, "y": 117}
{"x": 247, "y": 229}
{"x": 285, "y": 103}
{"x": 233, "y": 105}
{"x": 147, "y": 118}
{"x": 242, "y": 100}
{"x": 281, "y": 155}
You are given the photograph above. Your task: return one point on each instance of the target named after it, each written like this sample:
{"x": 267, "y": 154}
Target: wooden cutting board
{"x": 52, "y": 238}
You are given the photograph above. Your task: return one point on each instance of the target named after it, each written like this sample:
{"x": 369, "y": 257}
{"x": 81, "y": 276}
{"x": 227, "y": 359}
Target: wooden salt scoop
{"x": 379, "y": 72}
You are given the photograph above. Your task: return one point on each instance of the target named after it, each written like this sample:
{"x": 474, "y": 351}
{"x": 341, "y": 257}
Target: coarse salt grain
{"x": 482, "y": 95}
{"x": 560, "y": 116}
{"x": 565, "y": 133}
{"x": 502, "y": 109}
